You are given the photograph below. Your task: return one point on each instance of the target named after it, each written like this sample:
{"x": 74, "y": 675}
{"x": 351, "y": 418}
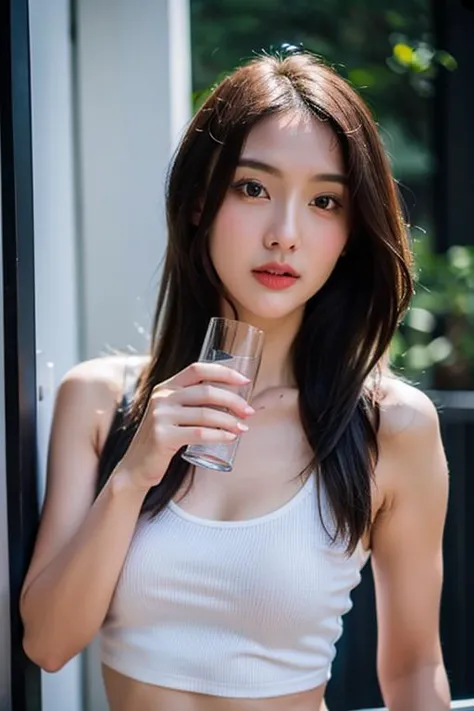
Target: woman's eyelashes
{"x": 327, "y": 202}
{"x": 252, "y": 189}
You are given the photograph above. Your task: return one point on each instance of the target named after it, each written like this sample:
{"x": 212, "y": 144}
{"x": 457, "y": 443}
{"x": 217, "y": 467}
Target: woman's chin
{"x": 266, "y": 313}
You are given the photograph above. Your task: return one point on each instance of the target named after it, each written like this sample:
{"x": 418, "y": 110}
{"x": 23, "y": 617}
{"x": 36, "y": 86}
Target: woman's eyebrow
{"x": 267, "y": 168}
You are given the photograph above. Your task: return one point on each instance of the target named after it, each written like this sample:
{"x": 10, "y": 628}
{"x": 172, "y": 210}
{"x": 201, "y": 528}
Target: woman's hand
{"x": 192, "y": 407}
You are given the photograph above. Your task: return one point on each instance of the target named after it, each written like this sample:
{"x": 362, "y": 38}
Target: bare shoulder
{"x": 411, "y": 447}
{"x": 93, "y": 389}
{"x": 101, "y": 379}
{"x": 103, "y": 374}
{"x": 405, "y": 410}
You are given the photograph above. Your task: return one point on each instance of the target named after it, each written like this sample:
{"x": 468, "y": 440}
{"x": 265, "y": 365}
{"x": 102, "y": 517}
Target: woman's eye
{"x": 326, "y": 202}
{"x": 251, "y": 189}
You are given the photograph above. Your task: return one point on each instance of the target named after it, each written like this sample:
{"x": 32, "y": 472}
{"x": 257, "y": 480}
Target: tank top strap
{"x": 121, "y": 429}
{"x": 131, "y": 376}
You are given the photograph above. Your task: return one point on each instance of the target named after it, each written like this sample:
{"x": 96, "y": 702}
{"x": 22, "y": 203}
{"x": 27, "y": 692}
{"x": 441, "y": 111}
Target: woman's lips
{"x": 274, "y": 281}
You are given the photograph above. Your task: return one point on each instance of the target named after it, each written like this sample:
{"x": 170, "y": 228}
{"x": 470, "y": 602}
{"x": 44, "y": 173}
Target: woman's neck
{"x": 276, "y": 369}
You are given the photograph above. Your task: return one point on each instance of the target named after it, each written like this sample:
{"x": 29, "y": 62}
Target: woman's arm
{"x": 407, "y": 554}
{"x": 81, "y": 544}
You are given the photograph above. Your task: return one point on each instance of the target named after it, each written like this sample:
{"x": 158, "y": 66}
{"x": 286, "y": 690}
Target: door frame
{"x": 19, "y": 330}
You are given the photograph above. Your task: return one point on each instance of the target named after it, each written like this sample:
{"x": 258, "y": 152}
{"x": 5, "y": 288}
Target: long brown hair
{"x": 347, "y": 325}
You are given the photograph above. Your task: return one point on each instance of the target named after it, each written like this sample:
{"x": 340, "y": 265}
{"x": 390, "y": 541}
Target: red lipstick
{"x": 276, "y": 275}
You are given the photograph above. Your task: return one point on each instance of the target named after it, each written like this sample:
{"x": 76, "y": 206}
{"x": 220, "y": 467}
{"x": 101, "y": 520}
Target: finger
{"x": 212, "y": 395}
{"x": 200, "y": 372}
{"x": 207, "y": 417}
{"x": 201, "y": 435}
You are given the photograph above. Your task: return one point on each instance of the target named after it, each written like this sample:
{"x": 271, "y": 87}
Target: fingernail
{"x": 249, "y": 410}
{"x": 242, "y": 427}
{"x": 244, "y": 378}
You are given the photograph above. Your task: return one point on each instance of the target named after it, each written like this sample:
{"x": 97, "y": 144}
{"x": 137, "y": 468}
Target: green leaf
{"x": 447, "y": 60}
{"x": 403, "y": 53}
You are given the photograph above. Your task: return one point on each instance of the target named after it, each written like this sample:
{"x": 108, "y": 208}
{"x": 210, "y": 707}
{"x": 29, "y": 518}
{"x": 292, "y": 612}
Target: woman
{"x": 219, "y": 592}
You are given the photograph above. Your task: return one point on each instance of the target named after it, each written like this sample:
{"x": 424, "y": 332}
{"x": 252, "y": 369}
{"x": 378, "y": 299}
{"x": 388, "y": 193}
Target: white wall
{"x": 55, "y": 251}
{"x": 94, "y": 283}
{"x": 134, "y": 99}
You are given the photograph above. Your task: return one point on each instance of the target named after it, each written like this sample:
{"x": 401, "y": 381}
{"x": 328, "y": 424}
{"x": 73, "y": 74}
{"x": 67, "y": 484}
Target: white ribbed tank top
{"x": 232, "y": 608}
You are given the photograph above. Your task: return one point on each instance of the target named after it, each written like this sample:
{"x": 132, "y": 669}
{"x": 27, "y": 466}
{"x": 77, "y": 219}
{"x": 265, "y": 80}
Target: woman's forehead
{"x": 294, "y": 138}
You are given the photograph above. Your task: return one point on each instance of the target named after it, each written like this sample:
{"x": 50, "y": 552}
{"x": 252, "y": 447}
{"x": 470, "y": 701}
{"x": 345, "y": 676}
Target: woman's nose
{"x": 283, "y": 233}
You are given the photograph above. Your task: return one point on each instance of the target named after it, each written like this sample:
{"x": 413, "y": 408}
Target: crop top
{"x": 249, "y": 608}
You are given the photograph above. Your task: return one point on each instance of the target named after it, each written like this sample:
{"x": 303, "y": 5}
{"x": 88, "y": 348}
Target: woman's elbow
{"x": 49, "y": 662}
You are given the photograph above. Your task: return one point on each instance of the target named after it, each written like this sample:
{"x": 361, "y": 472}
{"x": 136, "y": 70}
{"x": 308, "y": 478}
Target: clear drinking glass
{"x": 239, "y": 346}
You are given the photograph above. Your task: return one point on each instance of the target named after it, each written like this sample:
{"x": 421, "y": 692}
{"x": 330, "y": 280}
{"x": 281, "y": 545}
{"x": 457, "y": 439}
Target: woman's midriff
{"x": 125, "y": 694}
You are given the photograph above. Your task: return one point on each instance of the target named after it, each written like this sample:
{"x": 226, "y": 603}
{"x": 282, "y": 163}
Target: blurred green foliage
{"x": 435, "y": 344}
{"x": 385, "y": 50}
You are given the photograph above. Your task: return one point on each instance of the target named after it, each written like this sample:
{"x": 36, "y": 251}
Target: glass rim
{"x": 256, "y": 329}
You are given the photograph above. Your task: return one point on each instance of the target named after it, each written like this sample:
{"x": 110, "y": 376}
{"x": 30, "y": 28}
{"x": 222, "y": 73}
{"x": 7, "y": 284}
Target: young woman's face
{"x": 286, "y": 211}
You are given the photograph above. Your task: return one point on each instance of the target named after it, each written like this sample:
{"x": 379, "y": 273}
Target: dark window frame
{"x": 19, "y": 329}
